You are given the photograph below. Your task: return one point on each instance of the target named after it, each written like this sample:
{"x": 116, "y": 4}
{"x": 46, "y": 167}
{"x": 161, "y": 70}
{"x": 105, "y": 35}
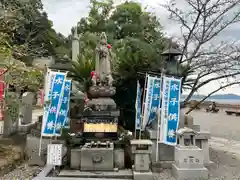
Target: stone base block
{"x": 75, "y": 158}
{"x": 142, "y": 175}
{"x": 110, "y": 175}
{"x": 97, "y": 159}
{"x": 156, "y": 166}
{"x": 189, "y": 173}
{"x": 119, "y": 161}
{"x": 25, "y": 128}
{"x": 209, "y": 164}
{"x": 32, "y": 150}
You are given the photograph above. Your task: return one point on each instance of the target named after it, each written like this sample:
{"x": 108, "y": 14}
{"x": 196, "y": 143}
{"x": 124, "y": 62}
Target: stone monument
{"x": 166, "y": 152}
{"x": 27, "y": 109}
{"x": 188, "y": 164}
{"x": 11, "y": 114}
{"x": 26, "y": 121}
{"x": 99, "y": 117}
{"x": 141, "y": 150}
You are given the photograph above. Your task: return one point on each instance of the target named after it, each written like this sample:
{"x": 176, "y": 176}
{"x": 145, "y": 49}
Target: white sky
{"x": 66, "y": 13}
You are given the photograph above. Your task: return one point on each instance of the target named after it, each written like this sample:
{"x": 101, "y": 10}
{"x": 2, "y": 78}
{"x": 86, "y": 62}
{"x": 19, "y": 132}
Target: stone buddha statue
{"x": 103, "y": 62}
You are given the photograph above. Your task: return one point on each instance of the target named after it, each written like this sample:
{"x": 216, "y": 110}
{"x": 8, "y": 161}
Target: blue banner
{"x": 52, "y": 109}
{"x": 62, "y": 117}
{"x": 138, "y": 108}
{"x": 155, "y": 100}
{"x": 170, "y": 110}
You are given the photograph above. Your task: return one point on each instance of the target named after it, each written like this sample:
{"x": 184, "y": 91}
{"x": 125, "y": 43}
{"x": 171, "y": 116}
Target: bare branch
{"x": 203, "y": 22}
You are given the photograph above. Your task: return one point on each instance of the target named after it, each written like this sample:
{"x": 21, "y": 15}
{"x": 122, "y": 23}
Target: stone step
{"x": 121, "y": 174}
{"x": 74, "y": 178}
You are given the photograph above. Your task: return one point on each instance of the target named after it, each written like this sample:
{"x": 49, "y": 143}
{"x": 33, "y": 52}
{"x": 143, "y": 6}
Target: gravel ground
{"x": 23, "y": 172}
{"x": 219, "y": 124}
{"x": 224, "y": 151}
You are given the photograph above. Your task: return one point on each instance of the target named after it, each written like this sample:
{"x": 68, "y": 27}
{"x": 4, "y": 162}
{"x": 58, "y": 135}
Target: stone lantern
{"x": 189, "y": 158}
{"x": 170, "y": 61}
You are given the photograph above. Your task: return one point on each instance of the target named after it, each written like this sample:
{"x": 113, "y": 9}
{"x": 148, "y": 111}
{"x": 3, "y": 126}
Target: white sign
{"x": 54, "y": 154}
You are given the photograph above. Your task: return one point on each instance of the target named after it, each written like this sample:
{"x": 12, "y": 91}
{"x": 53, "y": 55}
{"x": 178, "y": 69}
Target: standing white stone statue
{"x": 103, "y": 61}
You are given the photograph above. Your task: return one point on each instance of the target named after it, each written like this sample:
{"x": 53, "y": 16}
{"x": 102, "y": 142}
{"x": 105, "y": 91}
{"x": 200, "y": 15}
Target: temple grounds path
{"x": 224, "y": 149}
{"x": 219, "y": 124}
{"x": 224, "y": 143}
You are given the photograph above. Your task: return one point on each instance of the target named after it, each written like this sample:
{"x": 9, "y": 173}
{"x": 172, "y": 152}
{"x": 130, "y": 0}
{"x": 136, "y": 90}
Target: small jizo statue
{"x": 103, "y": 63}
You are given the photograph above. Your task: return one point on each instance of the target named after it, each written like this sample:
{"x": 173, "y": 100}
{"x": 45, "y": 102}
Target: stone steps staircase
{"x": 103, "y": 175}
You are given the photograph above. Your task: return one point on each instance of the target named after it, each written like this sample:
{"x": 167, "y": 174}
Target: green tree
{"x": 28, "y": 30}
{"x": 137, "y": 42}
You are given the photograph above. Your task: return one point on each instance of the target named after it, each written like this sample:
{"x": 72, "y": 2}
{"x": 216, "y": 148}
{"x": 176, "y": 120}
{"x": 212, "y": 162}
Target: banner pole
{"x": 143, "y": 105}
{"x": 159, "y": 116}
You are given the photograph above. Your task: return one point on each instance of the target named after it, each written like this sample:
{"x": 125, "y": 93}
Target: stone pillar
{"x": 141, "y": 150}
{"x": 27, "y": 109}
{"x": 75, "y": 45}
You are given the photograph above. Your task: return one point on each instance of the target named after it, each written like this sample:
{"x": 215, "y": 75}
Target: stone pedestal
{"x": 141, "y": 150}
{"x": 119, "y": 159}
{"x": 188, "y": 164}
{"x": 97, "y": 158}
{"x": 32, "y": 149}
{"x": 75, "y": 159}
{"x": 165, "y": 152}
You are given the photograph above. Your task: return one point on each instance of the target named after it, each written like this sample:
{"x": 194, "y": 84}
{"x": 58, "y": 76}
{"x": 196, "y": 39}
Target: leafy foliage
{"x": 137, "y": 42}
{"x": 28, "y": 30}
{"x": 25, "y": 33}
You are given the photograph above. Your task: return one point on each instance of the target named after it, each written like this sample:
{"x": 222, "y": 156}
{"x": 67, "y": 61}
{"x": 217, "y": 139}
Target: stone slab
{"x": 45, "y": 172}
{"x": 141, "y": 142}
{"x": 189, "y": 157}
{"x": 75, "y": 159}
{"x": 156, "y": 166}
{"x": 113, "y": 113}
{"x": 124, "y": 174}
{"x": 27, "y": 109}
{"x": 26, "y": 128}
{"x": 142, "y": 175}
{"x": 152, "y": 134}
{"x": 196, "y": 128}
{"x": 119, "y": 158}
{"x": 102, "y": 103}
{"x": 141, "y": 162}
{"x": 200, "y": 135}
{"x": 32, "y": 150}
{"x": 68, "y": 178}
{"x": 189, "y": 174}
